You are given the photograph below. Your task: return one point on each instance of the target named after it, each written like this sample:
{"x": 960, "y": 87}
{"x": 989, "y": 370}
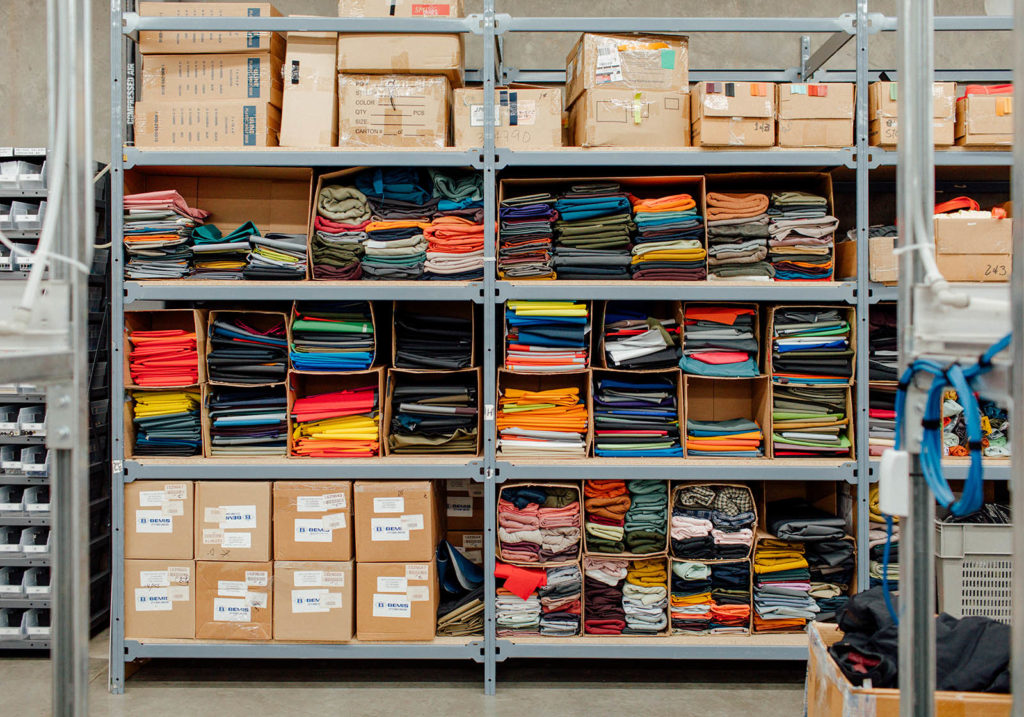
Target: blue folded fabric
{"x": 744, "y": 369}
{"x": 392, "y": 183}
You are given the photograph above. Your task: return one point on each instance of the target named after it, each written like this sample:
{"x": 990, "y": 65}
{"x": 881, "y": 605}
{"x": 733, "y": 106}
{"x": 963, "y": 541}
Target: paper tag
{"x": 413, "y": 522}
{"x": 176, "y": 491}
{"x": 473, "y": 540}
{"x": 476, "y": 116}
{"x": 389, "y": 505}
{"x": 231, "y": 610}
{"x": 178, "y": 593}
{"x": 308, "y": 601}
{"x": 153, "y": 521}
{"x": 609, "y": 66}
{"x": 213, "y": 536}
{"x": 173, "y": 507}
{"x": 392, "y": 606}
{"x": 526, "y": 112}
{"x": 257, "y": 578}
{"x": 334, "y": 521}
{"x": 213, "y": 515}
{"x": 309, "y": 504}
{"x": 332, "y": 600}
{"x": 458, "y": 485}
{"x": 151, "y": 498}
{"x": 382, "y": 529}
{"x": 237, "y": 540}
{"x": 238, "y": 516}
{"x": 256, "y": 599}
{"x": 335, "y": 501}
{"x": 391, "y": 584}
{"x": 459, "y": 507}
{"x": 308, "y": 578}
{"x": 417, "y": 572}
{"x": 311, "y": 530}
{"x": 232, "y": 588}
{"x": 334, "y": 578}
{"x": 476, "y": 490}
{"x": 419, "y": 593}
{"x": 179, "y": 576}
{"x": 154, "y": 578}
{"x": 152, "y": 600}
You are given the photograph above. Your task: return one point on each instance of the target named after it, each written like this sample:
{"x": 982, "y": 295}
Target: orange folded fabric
{"x": 672, "y": 203}
{"x": 396, "y": 224}
{"x": 787, "y": 625}
{"x": 718, "y": 314}
{"x": 604, "y": 488}
{"x": 735, "y": 206}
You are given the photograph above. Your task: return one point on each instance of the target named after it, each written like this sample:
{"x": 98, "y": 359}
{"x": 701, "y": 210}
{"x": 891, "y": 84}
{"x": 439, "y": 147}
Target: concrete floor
{"x": 372, "y": 688}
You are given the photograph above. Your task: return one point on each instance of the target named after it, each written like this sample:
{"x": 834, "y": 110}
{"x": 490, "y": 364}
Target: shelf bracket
{"x": 811, "y": 63}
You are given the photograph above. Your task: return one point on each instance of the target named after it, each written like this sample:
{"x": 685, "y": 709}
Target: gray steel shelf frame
{"x": 492, "y": 27}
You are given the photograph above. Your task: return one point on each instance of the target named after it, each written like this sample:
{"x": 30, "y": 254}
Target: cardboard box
{"x": 816, "y": 115}
{"x": 309, "y": 117}
{"x": 159, "y": 600}
{"x": 391, "y": 53}
{"x": 258, "y": 320}
{"x": 399, "y": 8}
{"x": 313, "y": 520}
{"x": 737, "y": 114}
{"x": 882, "y": 259}
{"x": 627, "y": 62}
{"x": 449, "y": 309}
{"x": 396, "y": 521}
{"x": 846, "y": 313}
{"x": 883, "y": 113}
{"x": 301, "y": 385}
{"x": 464, "y": 509}
{"x": 965, "y": 235}
{"x": 213, "y": 123}
{"x": 158, "y": 520}
{"x": 984, "y": 120}
{"x": 468, "y": 542}
{"x": 192, "y": 320}
{"x": 234, "y": 601}
{"x": 153, "y": 42}
{"x": 396, "y": 601}
{"x": 315, "y": 601}
{"x": 721, "y": 399}
{"x": 252, "y": 76}
{"x": 525, "y": 117}
{"x": 393, "y": 110}
{"x": 232, "y": 520}
{"x": 975, "y": 267}
{"x": 610, "y": 117}
{"x": 846, "y": 260}
{"x": 580, "y": 380}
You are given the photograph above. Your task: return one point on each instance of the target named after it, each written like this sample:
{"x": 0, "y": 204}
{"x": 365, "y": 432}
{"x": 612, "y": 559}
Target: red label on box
{"x": 430, "y": 10}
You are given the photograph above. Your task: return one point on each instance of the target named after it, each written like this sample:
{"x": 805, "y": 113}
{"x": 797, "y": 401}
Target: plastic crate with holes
{"x": 974, "y": 569}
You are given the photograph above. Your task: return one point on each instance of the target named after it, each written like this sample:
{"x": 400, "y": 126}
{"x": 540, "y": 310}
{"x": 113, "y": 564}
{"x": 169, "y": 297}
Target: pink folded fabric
{"x": 568, "y": 516}
{"x": 685, "y": 527}
{"x": 739, "y": 537}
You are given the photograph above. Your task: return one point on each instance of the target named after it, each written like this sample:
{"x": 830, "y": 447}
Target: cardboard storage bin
{"x": 378, "y": 356}
{"x": 526, "y": 117}
{"x": 984, "y": 119}
{"x": 232, "y": 520}
{"x": 627, "y": 62}
{"x": 735, "y": 114}
{"x": 159, "y": 599}
{"x": 662, "y": 310}
{"x": 545, "y": 381}
{"x": 721, "y": 399}
{"x": 192, "y": 320}
{"x": 393, "y": 110}
{"x": 396, "y": 601}
{"x": 624, "y": 636}
{"x": 759, "y": 358}
{"x": 851, "y": 318}
{"x": 587, "y": 348}
{"x": 187, "y": 41}
{"x": 613, "y": 117}
{"x": 309, "y": 112}
{"x": 253, "y": 76}
{"x": 848, "y": 431}
{"x": 396, "y": 521}
{"x": 158, "y": 520}
{"x": 258, "y": 320}
{"x": 756, "y": 499}
{"x": 234, "y": 601}
{"x": 672, "y": 374}
{"x": 662, "y": 552}
{"x": 883, "y": 113}
{"x": 302, "y": 385}
{"x": 816, "y": 115}
{"x": 573, "y": 485}
{"x": 315, "y": 601}
{"x": 403, "y": 377}
{"x": 449, "y": 309}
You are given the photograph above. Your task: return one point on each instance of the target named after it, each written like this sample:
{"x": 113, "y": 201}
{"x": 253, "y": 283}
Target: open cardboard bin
{"x": 722, "y": 399}
{"x": 545, "y": 381}
{"x": 662, "y": 310}
{"x": 449, "y": 309}
{"x": 193, "y": 320}
{"x": 301, "y": 385}
{"x": 395, "y": 377}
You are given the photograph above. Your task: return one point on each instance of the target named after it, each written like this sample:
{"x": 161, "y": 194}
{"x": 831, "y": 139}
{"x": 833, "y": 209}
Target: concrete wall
{"x": 23, "y": 54}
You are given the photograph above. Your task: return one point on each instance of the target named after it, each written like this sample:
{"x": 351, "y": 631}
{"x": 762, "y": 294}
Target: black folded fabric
{"x": 430, "y": 340}
{"x": 795, "y": 519}
{"x": 248, "y": 421}
{"x": 435, "y": 417}
{"x": 248, "y": 348}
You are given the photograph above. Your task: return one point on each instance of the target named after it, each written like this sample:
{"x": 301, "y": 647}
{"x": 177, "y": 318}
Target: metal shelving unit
{"x": 493, "y": 29}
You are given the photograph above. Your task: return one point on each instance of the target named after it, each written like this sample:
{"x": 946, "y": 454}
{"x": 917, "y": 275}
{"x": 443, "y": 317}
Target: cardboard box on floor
{"x": 234, "y": 601}
{"x": 883, "y": 113}
{"x": 611, "y": 117}
{"x": 984, "y": 120}
{"x": 158, "y": 599}
{"x": 816, "y": 115}
{"x": 468, "y": 542}
{"x": 393, "y": 110}
{"x": 152, "y": 42}
{"x": 403, "y": 377}
{"x": 207, "y": 123}
{"x": 627, "y": 62}
{"x": 313, "y": 520}
{"x": 733, "y": 114}
{"x": 309, "y": 116}
{"x": 396, "y": 601}
{"x": 315, "y": 601}
{"x": 396, "y": 521}
{"x": 158, "y": 520}
{"x": 232, "y": 520}
{"x": 301, "y": 385}
{"x": 232, "y": 76}
{"x": 722, "y": 399}
{"x": 526, "y": 117}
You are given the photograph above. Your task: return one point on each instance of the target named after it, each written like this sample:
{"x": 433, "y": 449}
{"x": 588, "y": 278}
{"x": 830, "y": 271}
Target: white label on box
{"x": 387, "y": 584}
{"x": 476, "y": 116}
{"x": 458, "y": 485}
{"x": 176, "y": 491}
{"x": 213, "y": 515}
{"x": 417, "y": 572}
{"x": 154, "y": 578}
{"x": 238, "y": 516}
{"x": 334, "y": 578}
{"x": 309, "y": 504}
{"x": 232, "y": 588}
{"x": 334, "y": 521}
{"x": 476, "y": 490}
{"x": 459, "y": 507}
{"x": 389, "y": 505}
{"x": 388, "y": 529}
{"x": 332, "y": 600}
{"x": 172, "y": 507}
{"x": 609, "y": 66}
{"x": 526, "y": 112}
{"x": 230, "y": 610}
{"x": 473, "y": 540}
{"x": 391, "y": 606}
{"x": 6, "y": 589}
{"x": 213, "y": 536}
{"x": 153, "y": 521}
{"x": 308, "y": 601}
{"x": 311, "y": 530}
{"x": 257, "y": 578}
{"x": 308, "y": 578}
{"x": 152, "y": 600}
{"x": 237, "y": 540}
{"x": 335, "y": 501}
{"x": 151, "y": 498}
{"x": 40, "y": 589}
{"x": 413, "y": 522}
{"x": 179, "y": 576}
{"x": 10, "y": 631}
{"x": 419, "y": 593}
{"x": 256, "y": 599}
{"x": 178, "y": 593}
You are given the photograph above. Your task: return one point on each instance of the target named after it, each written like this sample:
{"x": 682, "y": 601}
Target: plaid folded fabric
{"x": 697, "y": 496}
{"x": 732, "y": 501}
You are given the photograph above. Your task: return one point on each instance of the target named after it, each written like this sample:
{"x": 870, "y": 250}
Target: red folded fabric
{"x": 521, "y": 582}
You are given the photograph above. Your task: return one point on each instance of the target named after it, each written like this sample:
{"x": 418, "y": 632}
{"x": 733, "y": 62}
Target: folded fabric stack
{"x": 459, "y": 193}
{"x": 811, "y": 347}
{"x": 645, "y": 597}
{"x": 636, "y": 417}
{"x": 539, "y": 602}
{"x": 634, "y": 339}
{"x": 669, "y": 240}
{"x": 340, "y": 424}
{"x": 538, "y": 524}
{"x": 592, "y": 232}
{"x": 730, "y": 596}
{"x": 332, "y": 336}
{"x": 881, "y": 419}
{"x": 647, "y": 518}
{"x": 738, "y": 237}
{"x": 455, "y": 250}
{"x": 551, "y": 423}
{"x": 460, "y": 610}
{"x": 240, "y": 353}
{"x": 802, "y": 237}
{"x": 167, "y": 423}
{"x": 339, "y": 233}
{"x": 883, "y": 361}
{"x": 525, "y": 230}
{"x": 995, "y": 428}
{"x": 691, "y": 602}
{"x": 158, "y": 235}
{"x": 395, "y": 250}
{"x": 276, "y": 256}
{"x": 832, "y": 564}
{"x": 809, "y": 422}
{"x": 431, "y": 340}
{"x": 732, "y": 438}
{"x": 712, "y": 522}
{"x": 561, "y": 602}
{"x": 719, "y": 341}
{"x": 795, "y": 519}
{"x": 515, "y": 616}
{"x": 220, "y": 256}
{"x": 397, "y": 194}
{"x": 546, "y": 336}
{"x": 877, "y": 535}
{"x": 603, "y": 581}
{"x": 248, "y": 421}
{"x": 782, "y": 584}
{"x": 605, "y": 504}
{"x": 436, "y": 417}
{"x": 165, "y": 357}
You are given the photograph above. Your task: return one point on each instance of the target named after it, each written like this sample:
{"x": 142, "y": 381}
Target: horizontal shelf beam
{"x": 997, "y": 469}
{"x": 21, "y": 560}
{"x": 781, "y": 291}
{"x": 24, "y": 645}
{"x": 212, "y": 290}
{"x": 675, "y": 157}
{"x": 398, "y": 468}
{"x": 287, "y": 157}
{"x": 25, "y": 519}
{"x": 9, "y": 479}
{"x": 22, "y": 440}
{"x": 133, "y": 22}
{"x": 506, "y": 23}
{"x": 956, "y": 157}
{"x": 135, "y": 649}
{"x": 25, "y": 602}
{"x": 678, "y": 469}
{"x": 23, "y": 193}
{"x": 664, "y": 648}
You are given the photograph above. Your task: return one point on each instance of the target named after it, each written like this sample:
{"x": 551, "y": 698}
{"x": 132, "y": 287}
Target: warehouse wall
{"x": 23, "y": 55}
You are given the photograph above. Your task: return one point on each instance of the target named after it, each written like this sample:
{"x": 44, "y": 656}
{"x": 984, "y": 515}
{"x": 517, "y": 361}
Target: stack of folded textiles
{"x": 276, "y": 256}
{"x": 732, "y": 438}
{"x": 459, "y": 193}
{"x": 561, "y": 602}
{"x": 730, "y": 596}
{"x": 218, "y": 256}
{"x": 167, "y": 423}
{"x": 802, "y": 237}
{"x": 538, "y": 601}
{"x": 241, "y": 353}
{"x": 647, "y": 518}
{"x": 883, "y": 359}
{"x": 712, "y": 522}
{"x": 691, "y": 601}
{"x": 782, "y": 584}
{"x": 811, "y": 346}
{"x": 332, "y": 336}
{"x": 158, "y": 235}
{"x": 738, "y": 237}
{"x": 515, "y": 616}
{"x": 877, "y": 535}
{"x": 995, "y": 427}
{"x": 166, "y": 357}
{"x": 395, "y": 250}
{"x": 340, "y": 424}
{"x": 248, "y": 421}
{"x": 645, "y": 597}
{"x": 436, "y": 417}
{"x": 455, "y": 250}
{"x": 634, "y": 339}
{"x": 538, "y": 524}
{"x": 525, "y": 230}
{"x": 881, "y": 419}
{"x": 636, "y": 415}
{"x": 546, "y": 336}
{"x": 603, "y": 581}
{"x": 592, "y": 232}
{"x": 605, "y": 504}
{"x": 339, "y": 233}
{"x": 809, "y": 422}
{"x": 432, "y": 340}
{"x": 669, "y": 240}
{"x": 460, "y": 610}
{"x": 551, "y": 423}
{"x": 719, "y": 341}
